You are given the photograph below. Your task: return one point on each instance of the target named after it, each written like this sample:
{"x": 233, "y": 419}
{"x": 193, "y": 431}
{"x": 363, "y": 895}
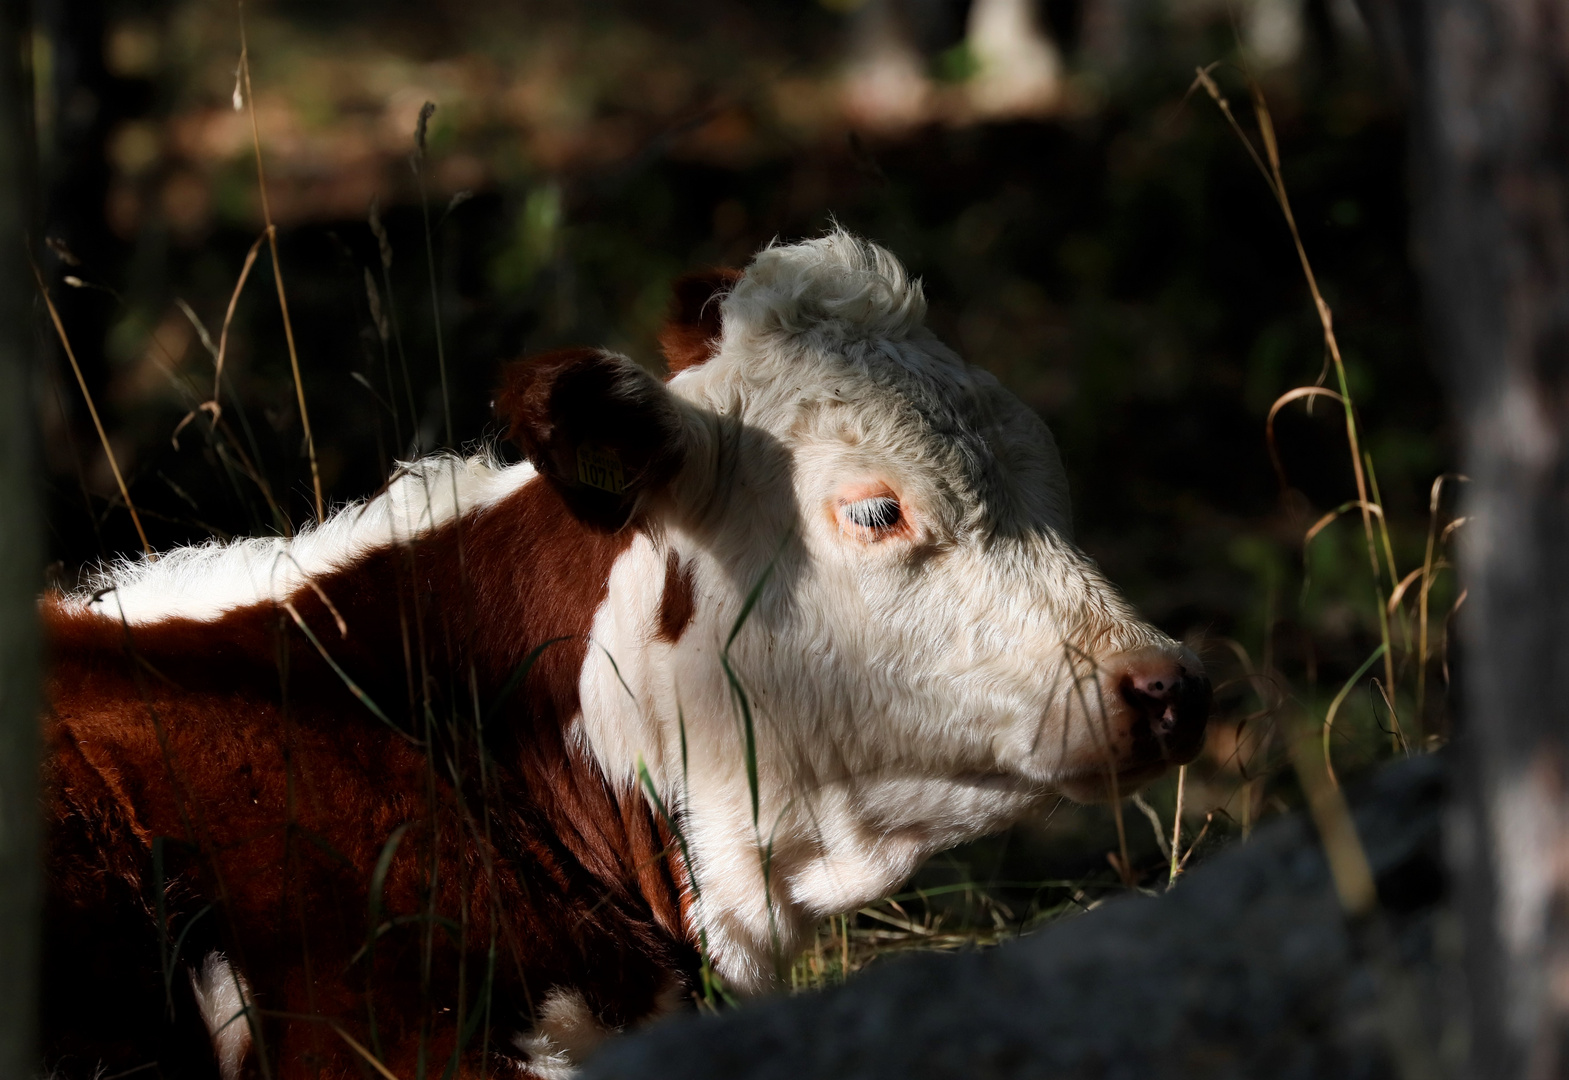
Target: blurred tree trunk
{"x": 20, "y": 876}
{"x": 1489, "y": 84}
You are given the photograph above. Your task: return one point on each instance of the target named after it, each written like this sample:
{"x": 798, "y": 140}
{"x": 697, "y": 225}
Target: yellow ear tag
{"x": 600, "y": 467}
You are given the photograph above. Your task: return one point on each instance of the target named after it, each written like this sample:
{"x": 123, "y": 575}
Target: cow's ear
{"x": 603, "y": 432}
{"x": 691, "y": 331}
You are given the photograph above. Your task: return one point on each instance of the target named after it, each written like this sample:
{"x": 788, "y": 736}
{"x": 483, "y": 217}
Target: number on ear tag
{"x": 600, "y": 467}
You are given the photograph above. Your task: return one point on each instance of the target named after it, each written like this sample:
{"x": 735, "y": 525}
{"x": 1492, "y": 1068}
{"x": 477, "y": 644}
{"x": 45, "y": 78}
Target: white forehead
{"x": 825, "y": 348}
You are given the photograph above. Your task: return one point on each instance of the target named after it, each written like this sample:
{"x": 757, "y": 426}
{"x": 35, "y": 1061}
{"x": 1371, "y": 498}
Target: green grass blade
{"x": 348, "y": 681}
{"x": 749, "y": 734}
{"x": 1339, "y": 699}
{"x": 378, "y": 876}
{"x": 753, "y": 596}
{"x": 617, "y": 669}
{"x": 670, "y": 822}
{"x": 515, "y": 680}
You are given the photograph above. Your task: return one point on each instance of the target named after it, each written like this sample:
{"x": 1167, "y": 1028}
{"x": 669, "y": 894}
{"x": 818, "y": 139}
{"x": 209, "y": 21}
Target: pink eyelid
{"x": 874, "y": 489}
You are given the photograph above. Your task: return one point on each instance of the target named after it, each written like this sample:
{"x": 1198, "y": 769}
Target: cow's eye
{"x": 879, "y": 514}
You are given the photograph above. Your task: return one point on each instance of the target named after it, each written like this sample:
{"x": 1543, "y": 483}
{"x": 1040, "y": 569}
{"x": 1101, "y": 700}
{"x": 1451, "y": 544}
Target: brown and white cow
{"x": 303, "y": 809}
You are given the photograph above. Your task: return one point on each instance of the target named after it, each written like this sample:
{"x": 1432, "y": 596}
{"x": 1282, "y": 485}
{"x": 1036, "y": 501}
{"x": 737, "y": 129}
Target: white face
{"x": 930, "y": 656}
{"x": 927, "y": 611}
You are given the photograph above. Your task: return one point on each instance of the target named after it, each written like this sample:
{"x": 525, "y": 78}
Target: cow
{"x": 512, "y": 756}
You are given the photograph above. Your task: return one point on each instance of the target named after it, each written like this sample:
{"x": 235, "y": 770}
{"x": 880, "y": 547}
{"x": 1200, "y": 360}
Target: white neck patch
{"x": 204, "y": 581}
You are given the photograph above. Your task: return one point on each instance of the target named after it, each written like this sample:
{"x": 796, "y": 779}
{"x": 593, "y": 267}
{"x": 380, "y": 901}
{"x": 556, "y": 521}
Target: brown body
{"x": 221, "y": 781}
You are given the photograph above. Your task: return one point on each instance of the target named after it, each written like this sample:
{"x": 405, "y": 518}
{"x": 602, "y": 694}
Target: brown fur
{"x": 270, "y": 791}
{"x": 693, "y": 326}
{"x": 676, "y": 603}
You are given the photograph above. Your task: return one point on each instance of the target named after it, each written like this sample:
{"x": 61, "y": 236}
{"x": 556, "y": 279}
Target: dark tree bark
{"x": 19, "y": 569}
{"x": 1489, "y": 85}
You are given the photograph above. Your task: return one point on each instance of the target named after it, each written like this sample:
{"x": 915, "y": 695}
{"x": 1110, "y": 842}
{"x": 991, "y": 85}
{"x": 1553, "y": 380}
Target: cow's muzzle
{"x": 1168, "y": 696}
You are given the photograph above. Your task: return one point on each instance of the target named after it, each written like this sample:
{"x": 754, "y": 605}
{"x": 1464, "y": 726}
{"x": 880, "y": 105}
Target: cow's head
{"x": 926, "y": 654}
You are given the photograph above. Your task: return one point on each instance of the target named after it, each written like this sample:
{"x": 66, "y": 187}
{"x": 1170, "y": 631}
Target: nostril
{"x": 1167, "y": 698}
{"x": 1166, "y": 722}
{"x": 1159, "y": 686}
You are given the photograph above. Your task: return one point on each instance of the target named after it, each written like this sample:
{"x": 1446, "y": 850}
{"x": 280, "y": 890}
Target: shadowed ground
{"x": 1247, "y": 969}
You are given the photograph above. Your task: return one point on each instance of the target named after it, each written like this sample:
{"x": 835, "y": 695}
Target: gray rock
{"x": 1247, "y": 969}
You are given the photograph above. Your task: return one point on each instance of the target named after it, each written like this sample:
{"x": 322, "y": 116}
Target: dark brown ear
{"x": 693, "y": 328}
{"x": 600, "y": 429}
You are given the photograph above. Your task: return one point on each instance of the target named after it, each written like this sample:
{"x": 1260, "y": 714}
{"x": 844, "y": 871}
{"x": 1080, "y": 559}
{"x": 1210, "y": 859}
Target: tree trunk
{"x": 19, "y": 568}
{"x": 1489, "y": 84}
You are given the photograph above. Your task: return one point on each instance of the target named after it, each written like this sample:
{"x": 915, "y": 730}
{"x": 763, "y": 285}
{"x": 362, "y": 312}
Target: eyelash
{"x": 878, "y": 514}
